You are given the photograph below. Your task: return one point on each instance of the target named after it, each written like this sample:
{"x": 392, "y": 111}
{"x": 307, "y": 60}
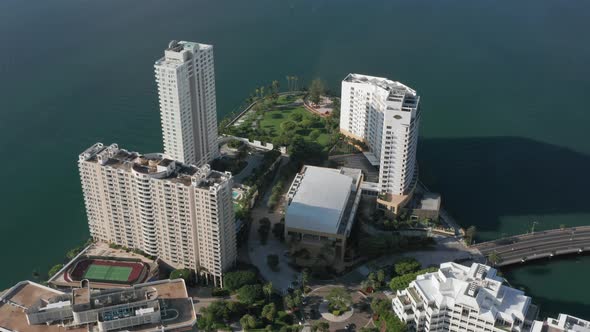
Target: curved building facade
{"x": 385, "y": 115}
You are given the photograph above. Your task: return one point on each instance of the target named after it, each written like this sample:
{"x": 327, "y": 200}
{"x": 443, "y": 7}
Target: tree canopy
{"x": 249, "y": 294}
{"x": 403, "y": 281}
{"x": 269, "y": 312}
{"x": 248, "y": 322}
{"x": 407, "y": 265}
{"x": 235, "y": 280}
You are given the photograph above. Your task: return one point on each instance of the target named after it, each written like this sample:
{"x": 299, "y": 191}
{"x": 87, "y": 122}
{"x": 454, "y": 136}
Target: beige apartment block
{"x": 180, "y": 213}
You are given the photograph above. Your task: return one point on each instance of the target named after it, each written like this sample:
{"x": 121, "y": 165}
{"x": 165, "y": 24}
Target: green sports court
{"x": 108, "y": 272}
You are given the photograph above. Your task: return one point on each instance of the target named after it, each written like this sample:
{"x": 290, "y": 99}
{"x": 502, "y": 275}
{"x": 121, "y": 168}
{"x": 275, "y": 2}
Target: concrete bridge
{"x": 531, "y": 246}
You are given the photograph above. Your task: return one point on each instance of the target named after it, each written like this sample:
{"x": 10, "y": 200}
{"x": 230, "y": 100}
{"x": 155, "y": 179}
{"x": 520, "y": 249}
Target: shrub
{"x": 284, "y": 318}
{"x": 406, "y": 265}
{"x": 187, "y": 275}
{"x": 54, "y": 270}
{"x": 402, "y": 282}
{"x": 278, "y": 230}
{"x": 219, "y": 292}
{"x": 234, "y": 143}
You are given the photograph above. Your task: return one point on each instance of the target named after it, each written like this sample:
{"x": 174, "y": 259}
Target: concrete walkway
{"x": 254, "y": 160}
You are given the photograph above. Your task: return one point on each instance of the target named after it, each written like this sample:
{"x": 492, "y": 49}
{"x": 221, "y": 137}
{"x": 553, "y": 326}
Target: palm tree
{"x": 275, "y": 89}
{"x": 288, "y": 82}
{"x": 267, "y": 289}
{"x": 304, "y": 278}
{"x": 257, "y": 93}
{"x": 494, "y": 258}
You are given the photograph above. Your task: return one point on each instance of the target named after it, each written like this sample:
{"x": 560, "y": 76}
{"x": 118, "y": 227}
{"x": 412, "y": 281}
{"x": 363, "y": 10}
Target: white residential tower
{"x": 186, "y": 87}
{"x": 385, "y": 115}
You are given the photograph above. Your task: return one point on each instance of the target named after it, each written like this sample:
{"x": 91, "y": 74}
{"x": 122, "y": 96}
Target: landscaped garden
{"x": 257, "y": 306}
{"x": 280, "y": 121}
{"x": 283, "y": 120}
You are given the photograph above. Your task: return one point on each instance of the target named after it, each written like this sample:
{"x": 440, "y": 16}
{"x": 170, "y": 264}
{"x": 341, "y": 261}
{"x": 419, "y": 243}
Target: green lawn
{"x": 272, "y": 119}
{"x": 323, "y": 139}
{"x": 108, "y": 273}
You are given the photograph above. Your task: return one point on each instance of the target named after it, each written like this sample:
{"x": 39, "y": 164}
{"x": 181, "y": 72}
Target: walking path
{"x": 327, "y": 315}
{"x": 257, "y": 252}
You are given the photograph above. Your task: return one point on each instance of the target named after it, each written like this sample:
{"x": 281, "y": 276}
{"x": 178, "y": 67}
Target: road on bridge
{"x": 537, "y": 245}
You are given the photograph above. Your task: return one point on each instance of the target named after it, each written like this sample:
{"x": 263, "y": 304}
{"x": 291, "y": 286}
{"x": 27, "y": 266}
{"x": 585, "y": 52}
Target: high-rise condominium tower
{"x": 181, "y": 213}
{"x": 186, "y": 86}
{"x": 385, "y": 115}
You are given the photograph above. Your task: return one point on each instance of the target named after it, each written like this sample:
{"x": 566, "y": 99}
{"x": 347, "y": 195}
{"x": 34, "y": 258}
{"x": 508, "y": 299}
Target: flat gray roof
{"x": 320, "y": 200}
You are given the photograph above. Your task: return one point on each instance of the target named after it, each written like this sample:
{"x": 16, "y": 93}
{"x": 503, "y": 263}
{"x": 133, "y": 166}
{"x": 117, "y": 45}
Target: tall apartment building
{"x": 186, "y": 87}
{"x": 385, "y": 115}
{"x": 181, "y": 213}
{"x": 463, "y": 299}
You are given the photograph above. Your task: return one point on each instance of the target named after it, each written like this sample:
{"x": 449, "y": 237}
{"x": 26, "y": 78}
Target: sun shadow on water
{"x": 483, "y": 179}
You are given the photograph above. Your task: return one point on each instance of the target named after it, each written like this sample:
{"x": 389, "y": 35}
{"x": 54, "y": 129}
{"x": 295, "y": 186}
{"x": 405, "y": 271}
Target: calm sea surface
{"x": 504, "y": 86}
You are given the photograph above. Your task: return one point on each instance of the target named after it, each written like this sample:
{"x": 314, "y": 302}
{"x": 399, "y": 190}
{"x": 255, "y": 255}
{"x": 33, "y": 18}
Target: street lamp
{"x": 533, "y": 227}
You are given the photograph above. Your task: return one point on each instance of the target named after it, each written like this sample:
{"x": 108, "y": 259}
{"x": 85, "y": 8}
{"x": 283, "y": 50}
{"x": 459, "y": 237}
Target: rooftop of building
{"x": 387, "y": 84}
{"x": 476, "y": 287}
{"x": 319, "y": 199}
{"x": 28, "y": 296}
{"x": 178, "y": 52}
{"x": 426, "y": 201}
{"x": 177, "y": 46}
{"x": 211, "y": 178}
{"x": 156, "y": 165}
{"x": 19, "y": 298}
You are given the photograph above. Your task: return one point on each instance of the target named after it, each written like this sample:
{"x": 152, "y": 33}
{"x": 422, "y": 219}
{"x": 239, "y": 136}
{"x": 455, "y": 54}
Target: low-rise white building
{"x": 321, "y": 206}
{"x": 463, "y": 299}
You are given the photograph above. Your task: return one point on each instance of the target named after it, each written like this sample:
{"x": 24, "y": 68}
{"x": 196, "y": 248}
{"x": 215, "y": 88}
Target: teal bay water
{"x": 504, "y": 88}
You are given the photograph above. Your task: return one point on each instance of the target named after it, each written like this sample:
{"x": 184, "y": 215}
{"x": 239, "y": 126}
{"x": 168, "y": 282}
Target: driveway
{"x": 254, "y": 160}
{"x": 281, "y": 279}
